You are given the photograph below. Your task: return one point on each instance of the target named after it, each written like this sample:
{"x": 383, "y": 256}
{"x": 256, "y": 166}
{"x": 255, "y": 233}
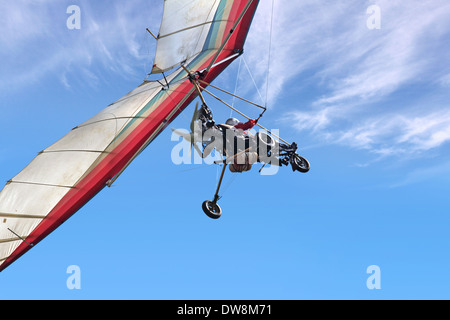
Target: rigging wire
{"x": 247, "y": 117}
{"x": 270, "y": 55}
{"x": 236, "y": 86}
{"x": 253, "y": 79}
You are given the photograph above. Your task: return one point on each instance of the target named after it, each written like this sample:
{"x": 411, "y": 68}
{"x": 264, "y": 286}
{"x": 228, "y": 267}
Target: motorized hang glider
{"x": 196, "y": 37}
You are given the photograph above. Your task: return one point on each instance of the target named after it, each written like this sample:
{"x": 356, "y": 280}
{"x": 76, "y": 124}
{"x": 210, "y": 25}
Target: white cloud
{"x": 440, "y": 171}
{"x": 399, "y": 134}
{"x": 383, "y": 60}
{"x": 445, "y": 81}
{"x": 377, "y": 90}
{"x": 35, "y": 41}
{"x": 324, "y": 45}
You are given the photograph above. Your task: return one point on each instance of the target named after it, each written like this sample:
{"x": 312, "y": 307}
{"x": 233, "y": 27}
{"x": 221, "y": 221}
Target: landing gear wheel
{"x": 212, "y": 209}
{"x": 300, "y": 164}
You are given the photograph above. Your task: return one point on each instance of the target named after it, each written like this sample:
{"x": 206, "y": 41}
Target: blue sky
{"x": 368, "y": 108}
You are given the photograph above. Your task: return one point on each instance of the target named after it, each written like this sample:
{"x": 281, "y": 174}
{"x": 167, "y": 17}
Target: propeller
{"x": 191, "y": 136}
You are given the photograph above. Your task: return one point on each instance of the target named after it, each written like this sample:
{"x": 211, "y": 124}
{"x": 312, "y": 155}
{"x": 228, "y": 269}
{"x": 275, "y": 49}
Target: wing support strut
{"x": 238, "y": 21}
{"x": 156, "y": 38}
{"x": 231, "y": 94}
{"x": 200, "y": 88}
{"x": 245, "y": 116}
{"x": 30, "y": 244}
{"x": 216, "y": 196}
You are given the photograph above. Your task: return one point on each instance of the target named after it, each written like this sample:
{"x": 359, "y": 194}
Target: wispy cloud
{"x": 373, "y": 63}
{"x": 375, "y": 90}
{"x": 384, "y": 91}
{"x": 440, "y": 171}
{"x": 36, "y": 43}
{"x": 397, "y": 134}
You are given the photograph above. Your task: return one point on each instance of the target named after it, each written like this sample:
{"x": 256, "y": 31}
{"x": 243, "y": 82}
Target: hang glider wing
{"x": 66, "y": 175}
{"x": 190, "y": 27}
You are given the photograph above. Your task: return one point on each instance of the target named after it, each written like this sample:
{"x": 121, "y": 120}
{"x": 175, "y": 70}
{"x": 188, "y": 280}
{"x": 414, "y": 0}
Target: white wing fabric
{"x": 28, "y": 198}
{"x": 184, "y": 29}
{"x": 65, "y": 176}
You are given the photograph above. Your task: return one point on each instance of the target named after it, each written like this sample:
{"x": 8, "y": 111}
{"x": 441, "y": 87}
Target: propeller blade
{"x": 186, "y": 136}
{"x": 194, "y": 117}
{"x": 198, "y": 150}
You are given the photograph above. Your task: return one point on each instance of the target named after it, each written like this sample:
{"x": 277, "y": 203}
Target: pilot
{"x": 240, "y": 125}
{"x": 243, "y": 160}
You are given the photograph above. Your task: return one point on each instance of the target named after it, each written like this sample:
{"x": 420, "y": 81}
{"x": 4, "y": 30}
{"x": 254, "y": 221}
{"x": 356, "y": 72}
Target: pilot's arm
{"x": 247, "y": 125}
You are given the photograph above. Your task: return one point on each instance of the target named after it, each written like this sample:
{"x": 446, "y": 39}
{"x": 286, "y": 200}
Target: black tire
{"x": 212, "y": 209}
{"x": 300, "y": 164}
